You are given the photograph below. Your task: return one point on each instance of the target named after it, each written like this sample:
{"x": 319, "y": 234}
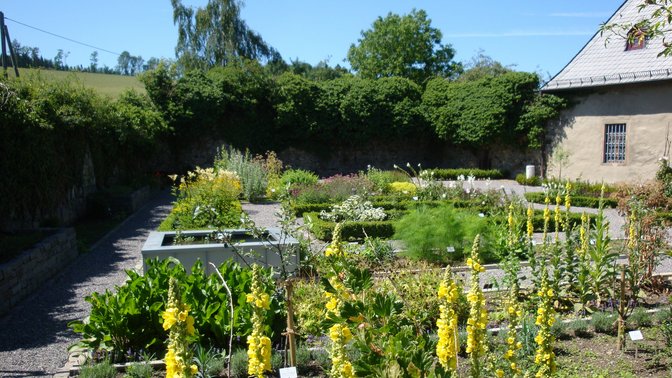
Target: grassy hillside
{"x": 111, "y": 85}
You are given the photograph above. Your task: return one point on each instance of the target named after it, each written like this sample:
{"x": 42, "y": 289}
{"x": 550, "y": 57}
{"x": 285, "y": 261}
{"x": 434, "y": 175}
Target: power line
{"x": 60, "y": 36}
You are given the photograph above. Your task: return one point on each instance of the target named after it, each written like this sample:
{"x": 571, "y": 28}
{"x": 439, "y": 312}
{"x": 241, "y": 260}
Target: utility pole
{"x": 4, "y": 46}
{"x": 6, "y": 41}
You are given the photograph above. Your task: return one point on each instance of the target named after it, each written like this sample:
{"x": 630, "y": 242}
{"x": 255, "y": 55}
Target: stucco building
{"x": 619, "y": 122}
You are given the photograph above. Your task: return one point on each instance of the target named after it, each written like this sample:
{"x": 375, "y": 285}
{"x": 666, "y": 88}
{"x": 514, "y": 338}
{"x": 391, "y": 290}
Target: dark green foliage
{"x": 51, "y": 129}
{"x": 594, "y": 202}
{"x": 532, "y": 181}
{"x": 489, "y": 110}
{"x": 427, "y": 232}
{"x": 453, "y": 174}
{"x": 322, "y": 229}
{"x": 130, "y": 317}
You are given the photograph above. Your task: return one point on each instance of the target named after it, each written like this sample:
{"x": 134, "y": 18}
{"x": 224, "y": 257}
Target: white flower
{"x": 396, "y": 166}
{"x": 481, "y": 215}
{"x": 415, "y": 198}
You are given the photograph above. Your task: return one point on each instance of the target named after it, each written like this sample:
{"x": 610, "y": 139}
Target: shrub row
{"x": 453, "y": 174}
{"x": 388, "y": 203}
{"x": 594, "y": 202}
{"x": 351, "y": 230}
{"x": 532, "y": 181}
{"x": 322, "y": 229}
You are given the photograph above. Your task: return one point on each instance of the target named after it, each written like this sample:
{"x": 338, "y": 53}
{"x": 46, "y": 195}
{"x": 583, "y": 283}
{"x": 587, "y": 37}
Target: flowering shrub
{"x": 402, "y": 187}
{"x": 206, "y": 198}
{"x": 332, "y": 189}
{"x": 253, "y": 175}
{"x": 180, "y": 324}
{"x": 259, "y": 345}
{"x": 354, "y": 208}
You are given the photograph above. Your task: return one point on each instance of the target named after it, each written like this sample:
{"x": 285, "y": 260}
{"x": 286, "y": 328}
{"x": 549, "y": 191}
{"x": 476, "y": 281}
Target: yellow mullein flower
{"x": 181, "y": 325}
{"x": 478, "y": 316}
{"x": 258, "y": 345}
{"x": 544, "y": 357}
{"x": 530, "y": 224}
{"x": 447, "y": 346}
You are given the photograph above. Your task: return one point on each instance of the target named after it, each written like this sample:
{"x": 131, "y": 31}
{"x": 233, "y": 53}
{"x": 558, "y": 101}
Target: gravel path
{"x": 263, "y": 214}
{"x": 35, "y": 336}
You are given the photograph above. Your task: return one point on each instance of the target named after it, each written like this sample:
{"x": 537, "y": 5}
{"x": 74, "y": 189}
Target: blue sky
{"x": 533, "y": 35}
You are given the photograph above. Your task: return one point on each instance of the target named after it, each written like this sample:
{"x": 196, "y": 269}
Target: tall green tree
{"x": 405, "y": 46}
{"x": 216, "y": 35}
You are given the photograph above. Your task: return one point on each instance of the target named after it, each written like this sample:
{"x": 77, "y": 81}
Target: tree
{"x": 216, "y": 35}
{"x": 124, "y": 62}
{"x": 406, "y": 46}
{"x": 58, "y": 59}
{"x": 482, "y": 66}
{"x": 656, "y": 23}
{"x": 94, "y": 61}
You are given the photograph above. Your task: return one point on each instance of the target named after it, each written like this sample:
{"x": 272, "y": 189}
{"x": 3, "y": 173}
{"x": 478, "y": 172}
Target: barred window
{"x": 614, "y": 143}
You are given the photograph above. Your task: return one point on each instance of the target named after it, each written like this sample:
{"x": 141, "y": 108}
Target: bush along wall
{"x": 58, "y": 137}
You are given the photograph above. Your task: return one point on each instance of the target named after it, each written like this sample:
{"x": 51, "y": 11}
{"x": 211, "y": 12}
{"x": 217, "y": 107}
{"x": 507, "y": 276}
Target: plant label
{"x": 450, "y": 249}
{"x": 636, "y": 335}
{"x": 289, "y": 372}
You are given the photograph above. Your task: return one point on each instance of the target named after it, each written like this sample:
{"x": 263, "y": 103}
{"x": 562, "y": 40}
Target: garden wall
{"x": 21, "y": 276}
{"x": 380, "y": 154}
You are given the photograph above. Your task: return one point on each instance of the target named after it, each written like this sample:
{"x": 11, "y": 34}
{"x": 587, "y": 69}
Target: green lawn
{"x": 111, "y": 85}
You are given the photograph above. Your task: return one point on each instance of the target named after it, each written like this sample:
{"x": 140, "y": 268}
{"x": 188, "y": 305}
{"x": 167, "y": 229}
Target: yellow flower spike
{"x": 530, "y": 224}
{"x": 180, "y": 326}
{"x": 259, "y": 346}
{"x": 447, "y": 348}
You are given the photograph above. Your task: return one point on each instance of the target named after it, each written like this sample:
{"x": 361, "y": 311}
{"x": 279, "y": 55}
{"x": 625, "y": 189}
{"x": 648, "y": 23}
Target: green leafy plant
{"x": 639, "y": 318}
{"x": 103, "y": 369}
{"x": 239, "y": 363}
{"x": 251, "y": 171}
{"x": 427, "y": 232}
{"x": 130, "y": 317}
{"x": 139, "y": 370}
{"x": 210, "y": 361}
{"x": 580, "y": 328}
{"x": 295, "y": 177}
{"x": 603, "y": 322}
{"x": 532, "y": 181}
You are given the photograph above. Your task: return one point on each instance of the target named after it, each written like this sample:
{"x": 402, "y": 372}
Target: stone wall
{"x": 21, "y": 276}
{"x": 381, "y": 154}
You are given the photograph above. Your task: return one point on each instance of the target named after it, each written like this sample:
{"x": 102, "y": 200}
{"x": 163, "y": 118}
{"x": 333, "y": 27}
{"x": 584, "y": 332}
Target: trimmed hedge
{"x": 453, "y": 174}
{"x": 582, "y": 201}
{"x": 532, "y": 181}
{"x": 350, "y": 230}
{"x": 389, "y": 203}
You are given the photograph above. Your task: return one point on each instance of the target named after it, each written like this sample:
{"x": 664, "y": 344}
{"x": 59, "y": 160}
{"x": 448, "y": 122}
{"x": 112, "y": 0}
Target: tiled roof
{"x": 604, "y": 61}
